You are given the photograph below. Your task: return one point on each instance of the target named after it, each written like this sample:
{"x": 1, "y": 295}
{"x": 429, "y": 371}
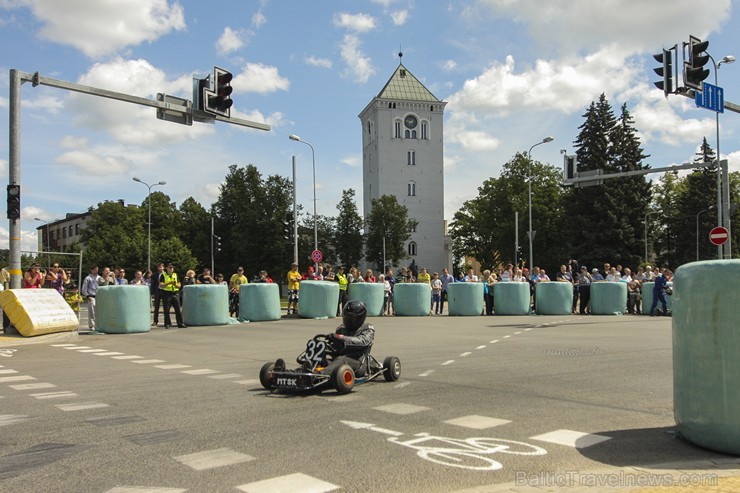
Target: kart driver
{"x": 352, "y": 339}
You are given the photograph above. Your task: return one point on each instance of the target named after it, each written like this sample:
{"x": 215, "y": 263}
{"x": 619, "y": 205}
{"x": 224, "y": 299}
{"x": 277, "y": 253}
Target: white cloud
{"x": 399, "y": 17}
{"x": 103, "y": 27}
{"x": 259, "y": 78}
{"x": 72, "y": 142}
{"x": 353, "y": 161}
{"x": 92, "y": 163}
{"x": 230, "y": 41}
{"x": 658, "y": 118}
{"x": 29, "y": 239}
{"x": 44, "y": 102}
{"x": 258, "y": 19}
{"x": 359, "y": 66}
{"x": 449, "y": 65}
{"x": 318, "y": 62}
{"x": 3, "y": 167}
{"x": 360, "y": 23}
{"x": 474, "y": 140}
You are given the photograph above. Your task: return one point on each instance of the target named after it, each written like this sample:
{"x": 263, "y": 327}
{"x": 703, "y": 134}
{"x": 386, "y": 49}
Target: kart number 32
{"x": 315, "y": 351}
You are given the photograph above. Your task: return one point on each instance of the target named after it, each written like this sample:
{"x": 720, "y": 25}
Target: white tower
{"x": 403, "y": 155}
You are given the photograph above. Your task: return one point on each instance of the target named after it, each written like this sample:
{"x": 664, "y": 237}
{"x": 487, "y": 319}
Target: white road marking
{"x": 145, "y": 489}
{"x": 493, "y": 341}
{"x": 225, "y": 376}
{"x": 517, "y": 333}
{"x": 130, "y": 356}
{"x": 477, "y": 422}
{"x": 506, "y": 337}
{"x": 448, "y": 362}
{"x": 571, "y": 438}
{"x": 465, "y": 354}
{"x": 77, "y": 347}
{"x": 247, "y": 382}
{"x": 172, "y": 367}
{"x": 527, "y": 330}
{"x": 481, "y": 347}
{"x": 17, "y": 378}
{"x": 11, "y": 419}
{"x": 92, "y": 350}
{"x": 426, "y": 373}
{"x": 7, "y": 371}
{"x": 210, "y": 459}
{"x": 295, "y": 483}
{"x": 54, "y": 395}
{"x": 203, "y": 371}
{"x": 369, "y": 426}
{"x": 80, "y": 406}
{"x": 401, "y": 385}
{"x": 32, "y": 386}
{"x": 147, "y": 361}
{"x": 401, "y": 408}
{"x": 108, "y": 353}
{"x": 63, "y": 345}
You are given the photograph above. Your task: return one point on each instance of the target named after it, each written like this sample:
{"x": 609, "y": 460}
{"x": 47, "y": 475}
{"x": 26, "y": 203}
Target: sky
{"x": 511, "y": 71}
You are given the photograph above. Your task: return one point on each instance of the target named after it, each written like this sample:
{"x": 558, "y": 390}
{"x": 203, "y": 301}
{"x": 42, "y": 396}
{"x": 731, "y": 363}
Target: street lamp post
{"x": 646, "y": 235}
{"x": 531, "y": 233}
{"x": 697, "y": 229}
{"x": 48, "y": 247}
{"x": 315, "y": 224}
{"x": 149, "y": 222}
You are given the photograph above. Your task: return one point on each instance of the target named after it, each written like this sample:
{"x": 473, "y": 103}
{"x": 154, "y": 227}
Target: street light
{"x": 315, "y": 224}
{"x": 48, "y": 248}
{"x": 697, "y": 229}
{"x": 149, "y": 223}
{"x": 529, "y": 197}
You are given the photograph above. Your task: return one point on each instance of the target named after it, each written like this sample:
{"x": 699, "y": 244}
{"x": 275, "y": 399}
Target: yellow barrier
{"x": 36, "y": 312}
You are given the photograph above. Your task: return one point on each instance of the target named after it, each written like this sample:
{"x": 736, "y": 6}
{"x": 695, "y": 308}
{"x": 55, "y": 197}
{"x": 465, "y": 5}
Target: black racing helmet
{"x": 354, "y": 313}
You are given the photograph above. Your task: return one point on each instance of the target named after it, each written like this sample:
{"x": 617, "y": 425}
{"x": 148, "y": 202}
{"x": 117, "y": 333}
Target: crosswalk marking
{"x": 296, "y": 483}
{"x": 171, "y": 367}
{"x": 77, "y": 347}
{"x": 210, "y": 459}
{"x": 426, "y": 373}
{"x": 481, "y": 347}
{"x": 493, "y": 341}
{"x": 16, "y": 378}
{"x": 80, "y": 406}
{"x": 465, "y": 354}
{"x": 32, "y": 386}
{"x": 108, "y": 353}
{"x": 477, "y": 422}
{"x": 448, "y": 362}
{"x": 92, "y": 350}
{"x": 10, "y": 419}
{"x": 247, "y": 382}
{"x": 506, "y": 337}
{"x": 7, "y": 371}
{"x": 203, "y": 371}
{"x": 225, "y": 376}
{"x": 130, "y": 356}
{"x": 401, "y": 385}
{"x": 54, "y": 395}
{"x": 145, "y": 489}
{"x": 571, "y": 438}
{"x": 63, "y": 345}
{"x": 400, "y": 408}
{"x": 147, "y": 361}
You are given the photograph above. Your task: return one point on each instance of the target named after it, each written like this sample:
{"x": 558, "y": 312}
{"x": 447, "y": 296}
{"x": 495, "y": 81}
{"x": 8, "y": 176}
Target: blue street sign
{"x": 711, "y": 97}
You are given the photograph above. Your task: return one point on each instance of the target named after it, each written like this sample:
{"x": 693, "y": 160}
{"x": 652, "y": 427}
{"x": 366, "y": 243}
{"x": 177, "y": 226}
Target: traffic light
{"x": 288, "y": 229}
{"x": 218, "y": 100}
{"x": 519, "y": 257}
{"x": 216, "y": 244}
{"x": 693, "y": 69}
{"x": 14, "y": 202}
{"x": 665, "y": 71}
{"x": 570, "y": 166}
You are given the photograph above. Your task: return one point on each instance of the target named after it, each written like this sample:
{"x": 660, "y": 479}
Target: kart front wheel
{"x": 392, "y": 368}
{"x": 266, "y": 375}
{"x": 343, "y": 379}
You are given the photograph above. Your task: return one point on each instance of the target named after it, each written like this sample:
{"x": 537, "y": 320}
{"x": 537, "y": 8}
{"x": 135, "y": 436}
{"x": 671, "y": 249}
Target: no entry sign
{"x": 718, "y": 236}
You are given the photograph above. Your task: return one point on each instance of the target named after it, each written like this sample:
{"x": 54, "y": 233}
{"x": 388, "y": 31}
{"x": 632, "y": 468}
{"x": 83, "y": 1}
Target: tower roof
{"x": 404, "y": 86}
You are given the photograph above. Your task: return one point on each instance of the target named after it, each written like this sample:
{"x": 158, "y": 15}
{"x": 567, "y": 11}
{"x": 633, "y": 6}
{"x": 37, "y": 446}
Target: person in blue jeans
{"x": 659, "y": 293}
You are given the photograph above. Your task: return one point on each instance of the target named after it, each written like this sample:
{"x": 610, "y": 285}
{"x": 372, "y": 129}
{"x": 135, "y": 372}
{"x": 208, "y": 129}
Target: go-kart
{"x": 312, "y": 373}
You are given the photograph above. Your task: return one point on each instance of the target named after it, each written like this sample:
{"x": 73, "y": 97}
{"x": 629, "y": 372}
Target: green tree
{"x": 348, "y": 242}
{"x": 387, "y": 220}
{"x": 195, "y": 231}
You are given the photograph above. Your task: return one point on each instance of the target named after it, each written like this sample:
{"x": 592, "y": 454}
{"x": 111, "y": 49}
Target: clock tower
{"x": 403, "y": 156}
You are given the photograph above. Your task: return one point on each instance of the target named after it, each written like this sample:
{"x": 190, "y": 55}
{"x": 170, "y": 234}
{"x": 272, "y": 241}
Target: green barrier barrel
{"x": 122, "y": 309}
{"x": 205, "y": 304}
{"x": 511, "y": 298}
{"x": 706, "y": 354}
{"x": 647, "y": 297}
{"x": 412, "y": 299}
{"x": 318, "y": 299}
{"x": 465, "y": 299}
{"x": 608, "y": 298}
{"x": 259, "y": 301}
{"x": 371, "y": 293}
{"x": 554, "y": 298}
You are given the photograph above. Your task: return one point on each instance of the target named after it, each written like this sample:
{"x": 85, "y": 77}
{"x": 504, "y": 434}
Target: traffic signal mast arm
{"x": 37, "y": 79}
{"x": 591, "y": 180}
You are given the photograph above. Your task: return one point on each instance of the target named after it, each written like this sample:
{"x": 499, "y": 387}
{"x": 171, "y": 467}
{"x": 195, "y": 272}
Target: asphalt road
{"x": 182, "y": 409}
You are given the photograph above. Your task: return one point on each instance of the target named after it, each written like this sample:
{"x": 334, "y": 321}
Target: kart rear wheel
{"x": 266, "y": 375}
{"x": 343, "y": 379}
{"x": 392, "y": 367}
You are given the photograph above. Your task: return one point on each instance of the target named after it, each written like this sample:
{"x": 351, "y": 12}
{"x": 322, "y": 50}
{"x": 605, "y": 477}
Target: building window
{"x": 412, "y": 225}
{"x": 397, "y": 129}
{"x": 411, "y": 158}
{"x": 77, "y": 229}
{"x": 64, "y": 232}
{"x": 412, "y": 248}
{"x": 424, "y": 131}
{"x": 407, "y": 134}
{"x": 70, "y": 231}
{"x": 412, "y": 189}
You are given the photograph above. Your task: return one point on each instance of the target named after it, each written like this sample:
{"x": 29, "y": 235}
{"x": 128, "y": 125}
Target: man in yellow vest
{"x": 343, "y": 282}
{"x": 294, "y": 284}
{"x": 170, "y": 286}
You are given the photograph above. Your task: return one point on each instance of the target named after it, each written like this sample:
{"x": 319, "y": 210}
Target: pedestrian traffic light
{"x": 288, "y": 229}
{"x": 217, "y": 100}
{"x": 14, "y": 202}
{"x": 693, "y": 69}
{"x": 216, "y": 244}
{"x": 665, "y": 71}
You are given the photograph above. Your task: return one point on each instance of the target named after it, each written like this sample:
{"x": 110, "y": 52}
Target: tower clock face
{"x": 411, "y": 121}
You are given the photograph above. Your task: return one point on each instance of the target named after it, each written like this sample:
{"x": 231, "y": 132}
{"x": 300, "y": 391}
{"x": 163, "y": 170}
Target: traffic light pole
{"x": 14, "y": 176}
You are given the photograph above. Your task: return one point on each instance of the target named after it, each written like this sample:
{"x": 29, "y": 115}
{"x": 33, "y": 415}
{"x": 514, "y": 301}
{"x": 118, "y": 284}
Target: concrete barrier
{"x": 371, "y": 293}
{"x": 554, "y": 298}
{"x": 318, "y": 299}
{"x": 465, "y": 298}
{"x": 511, "y": 298}
{"x": 205, "y": 304}
{"x": 35, "y": 312}
{"x": 122, "y": 309}
{"x": 259, "y": 301}
{"x": 412, "y": 299}
{"x": 608, "y": 298}
{"x": 706, "y": 355}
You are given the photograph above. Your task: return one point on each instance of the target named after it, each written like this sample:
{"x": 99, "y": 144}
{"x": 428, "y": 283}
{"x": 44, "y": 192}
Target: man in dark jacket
{"x": 353, "y": 338}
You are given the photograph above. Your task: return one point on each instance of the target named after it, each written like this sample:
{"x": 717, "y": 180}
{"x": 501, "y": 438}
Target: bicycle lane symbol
{"x": 468, "y": 453}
